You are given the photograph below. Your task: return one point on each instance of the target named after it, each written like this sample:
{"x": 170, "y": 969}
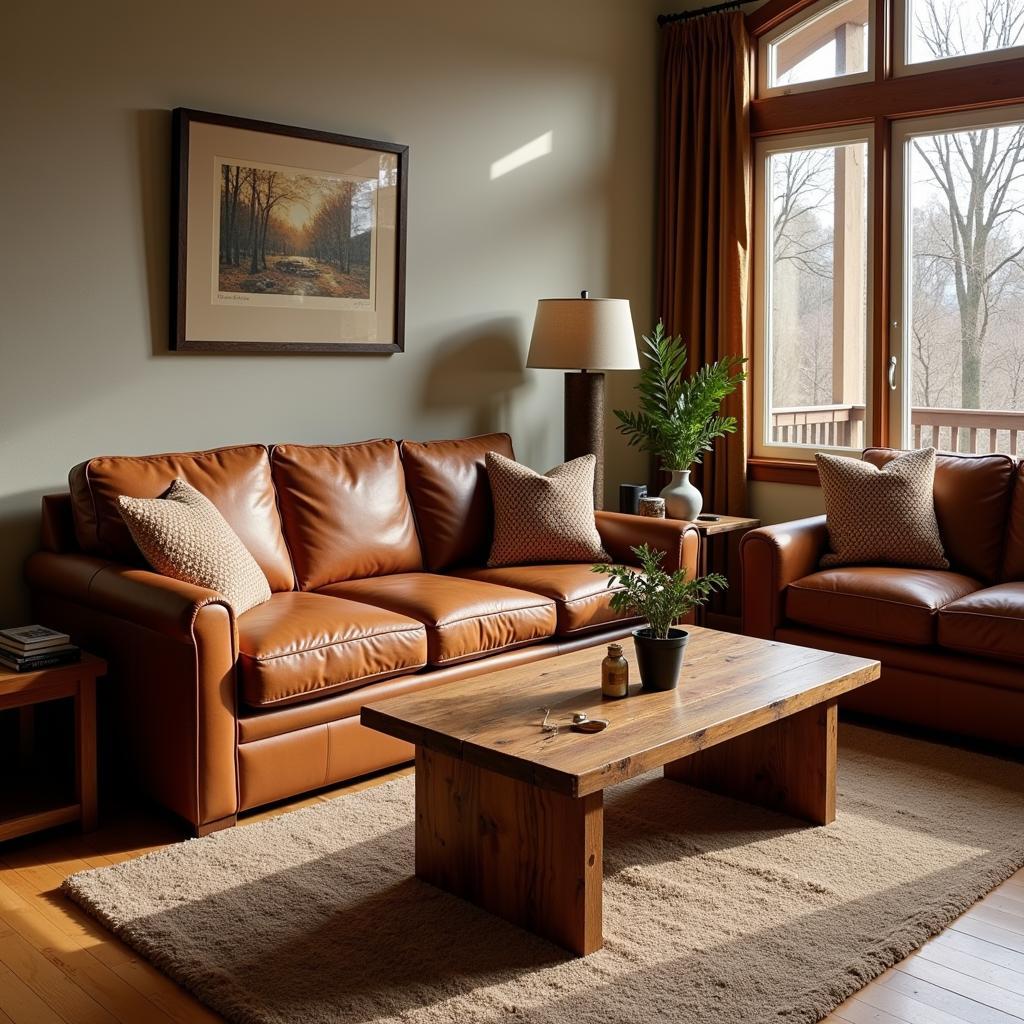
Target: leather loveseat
{"x": 951, "y": 643}
{"x": 375, "y": 554}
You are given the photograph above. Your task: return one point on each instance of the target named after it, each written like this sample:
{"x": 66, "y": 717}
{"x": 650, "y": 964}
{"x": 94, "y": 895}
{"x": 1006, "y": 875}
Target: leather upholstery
{"x": 989, "y": 623}
{"x": 899, "y": 605}
{"x": 171, "y": 649}
{"x": 933, "y": 662}
{"x": 773, "y": 557}
{"x": 620, "y": 532}
{"x": 930, "y": 687}
{"x": 58, "y": 525}
{"x": 972, "y": 495}
{"x": 951, "y": 644}
{"x": 345, "y": 510}
{"x": 236, "y": 480}
{"x": 182, "y": 668}
{"x": 259, "y": 723}
{"x": 581, "y": 597}
{"x": 299, "y": 646}
{"x": 464, "y": 619}
{"x": 451, "y": 497}
{"x": 321, "y": 755}
{"x": 1013, "y": 559}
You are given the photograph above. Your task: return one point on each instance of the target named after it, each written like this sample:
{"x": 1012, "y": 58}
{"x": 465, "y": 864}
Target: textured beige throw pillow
{"x": 545, "y": 517}
{"x": 882, "y": 516}
{"x": 182, "y": 535}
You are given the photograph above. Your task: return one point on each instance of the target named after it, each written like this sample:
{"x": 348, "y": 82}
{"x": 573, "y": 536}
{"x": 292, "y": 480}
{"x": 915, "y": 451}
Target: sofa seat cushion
{"x": 876, "y": 602}
{"x": 988, "y": 622}
{"x": 582, "y": 598}
{"x": 300, "y": 646}
{"x": 465, "y": 619}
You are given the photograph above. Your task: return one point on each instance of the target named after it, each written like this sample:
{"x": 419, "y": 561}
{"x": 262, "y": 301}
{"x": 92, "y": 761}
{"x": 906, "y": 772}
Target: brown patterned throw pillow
{"x": 882, "y": 516}
{"x": 545, "y": 517}
{"x": 182, "y": 535}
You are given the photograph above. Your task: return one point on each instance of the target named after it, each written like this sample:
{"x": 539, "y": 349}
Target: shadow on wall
{"x": 153, "y": 143}
{"x": 19, "y": 535}
{"x": 477, "y": 373}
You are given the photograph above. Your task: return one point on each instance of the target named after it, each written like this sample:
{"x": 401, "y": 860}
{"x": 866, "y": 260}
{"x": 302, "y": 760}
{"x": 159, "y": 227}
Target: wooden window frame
{"x": 818, "y": 9}
{"x": 760, "y": 401}
{"x": 877, "y": 104}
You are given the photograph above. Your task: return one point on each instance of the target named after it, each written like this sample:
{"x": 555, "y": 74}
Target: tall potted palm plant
{"x": 678, "y": 419}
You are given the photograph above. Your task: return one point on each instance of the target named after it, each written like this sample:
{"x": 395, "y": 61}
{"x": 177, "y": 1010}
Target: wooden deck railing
{"x": 979, "y": 431}
{"x": 824, "y": 426}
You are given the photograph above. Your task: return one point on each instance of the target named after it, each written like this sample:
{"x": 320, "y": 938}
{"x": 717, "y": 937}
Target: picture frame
{"x": 285, "y": 239}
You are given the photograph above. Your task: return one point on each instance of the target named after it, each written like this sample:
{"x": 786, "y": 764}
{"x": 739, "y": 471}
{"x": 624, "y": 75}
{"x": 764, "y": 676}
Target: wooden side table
{"x": 709, "y": 531}
{"x": 24, "y": 690}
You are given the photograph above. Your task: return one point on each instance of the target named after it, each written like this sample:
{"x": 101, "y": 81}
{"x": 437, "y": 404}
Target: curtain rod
{"x": 667, "y": 19}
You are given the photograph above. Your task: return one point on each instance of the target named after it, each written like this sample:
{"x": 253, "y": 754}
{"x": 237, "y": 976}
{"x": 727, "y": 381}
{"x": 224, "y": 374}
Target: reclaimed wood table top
{"x": 730, "y": 685}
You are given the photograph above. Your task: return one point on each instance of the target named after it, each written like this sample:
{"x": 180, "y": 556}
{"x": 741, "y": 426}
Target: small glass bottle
{"x": 615, "y": 673}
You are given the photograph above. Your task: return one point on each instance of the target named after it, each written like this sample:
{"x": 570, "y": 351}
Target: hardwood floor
{"x": 58, "y": 966}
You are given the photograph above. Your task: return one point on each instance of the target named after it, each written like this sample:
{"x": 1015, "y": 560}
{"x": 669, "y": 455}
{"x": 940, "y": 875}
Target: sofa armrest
{"x": 145, "y": 598}
{"x": 773, "y": 557}
{"x": 172, "y": 649}
{"x": 678, "y": 539}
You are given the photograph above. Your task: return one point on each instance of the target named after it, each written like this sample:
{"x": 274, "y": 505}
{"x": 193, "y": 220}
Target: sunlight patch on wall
{"x": 534, "y": 150}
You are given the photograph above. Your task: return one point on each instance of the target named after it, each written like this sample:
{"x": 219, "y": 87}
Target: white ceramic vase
{"x": 682, "y": 499}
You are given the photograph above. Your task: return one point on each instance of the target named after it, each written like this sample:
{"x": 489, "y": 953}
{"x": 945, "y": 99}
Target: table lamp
{"x": 584, "y": 335}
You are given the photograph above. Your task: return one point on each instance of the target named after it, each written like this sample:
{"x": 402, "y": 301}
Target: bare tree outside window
{"x": 955, "y": 28}
{"x": 966, "y": 245}
{"x": 817, "y": 227}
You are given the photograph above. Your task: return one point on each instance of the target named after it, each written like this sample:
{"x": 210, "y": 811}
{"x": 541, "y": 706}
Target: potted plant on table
{"x": 679, "y": 419}
{"x": 662, "y": 598}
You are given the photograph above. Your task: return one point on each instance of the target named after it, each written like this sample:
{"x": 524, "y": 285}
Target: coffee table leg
{"x": 526, "y": 854}
{"x": 788, "y": 765}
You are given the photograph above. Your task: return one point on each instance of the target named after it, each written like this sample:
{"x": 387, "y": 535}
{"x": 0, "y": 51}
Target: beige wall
{"x": 86, "y": 92}
{"x": 779, "y": 503}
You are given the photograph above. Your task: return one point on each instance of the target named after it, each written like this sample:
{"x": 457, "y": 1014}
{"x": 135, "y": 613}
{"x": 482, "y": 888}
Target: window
{"x": 830, "y": 42}
{"x": 811, "y": 307}
{"x": 961, "y": 269}
{"x": 888, "y": 257}
{"x": 959, "y": 31}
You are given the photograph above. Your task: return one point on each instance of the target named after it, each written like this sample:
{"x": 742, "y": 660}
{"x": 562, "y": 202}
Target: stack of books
{"x": 30, "y": 648}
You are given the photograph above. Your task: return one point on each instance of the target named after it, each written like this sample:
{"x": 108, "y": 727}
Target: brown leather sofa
{"x": 375, "y": 554}
{"x": 951, "y": 643}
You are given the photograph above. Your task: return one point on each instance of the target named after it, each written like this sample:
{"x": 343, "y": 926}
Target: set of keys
{"x": 581, "y": 722}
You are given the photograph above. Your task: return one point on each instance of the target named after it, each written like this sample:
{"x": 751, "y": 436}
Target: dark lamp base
{"x": 584, "y": 423}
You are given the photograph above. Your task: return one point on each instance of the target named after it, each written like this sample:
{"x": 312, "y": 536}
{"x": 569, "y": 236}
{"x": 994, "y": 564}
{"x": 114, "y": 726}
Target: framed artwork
{"x": 285, "y": 239}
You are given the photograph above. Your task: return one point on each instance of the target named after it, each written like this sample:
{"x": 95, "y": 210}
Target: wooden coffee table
{"x": 511, "y": 818}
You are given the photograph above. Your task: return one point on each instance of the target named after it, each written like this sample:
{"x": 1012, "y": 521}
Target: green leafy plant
{"x": 678, "y": 418}
{"x": 662, "y": 598}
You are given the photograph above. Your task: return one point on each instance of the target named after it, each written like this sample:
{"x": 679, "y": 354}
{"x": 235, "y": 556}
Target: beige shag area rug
{"x": 715, "y": 911}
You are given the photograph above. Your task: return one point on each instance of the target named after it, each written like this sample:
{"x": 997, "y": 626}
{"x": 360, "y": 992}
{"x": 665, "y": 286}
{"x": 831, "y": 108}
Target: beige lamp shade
{"x": 583, "y": 334}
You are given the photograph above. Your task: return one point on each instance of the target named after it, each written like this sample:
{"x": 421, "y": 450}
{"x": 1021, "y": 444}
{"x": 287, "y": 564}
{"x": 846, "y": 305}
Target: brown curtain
{"x": 704, "y": 218}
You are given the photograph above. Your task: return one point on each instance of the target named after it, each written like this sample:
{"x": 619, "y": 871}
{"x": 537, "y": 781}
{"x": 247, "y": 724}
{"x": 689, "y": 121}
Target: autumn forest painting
{"x": 296, "y": 233}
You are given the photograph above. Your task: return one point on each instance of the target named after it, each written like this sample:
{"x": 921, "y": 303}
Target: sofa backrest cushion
{"x": 237, "y": 480}
{"x": 972, "y": 495}
{"x": 1013, "y": 563}
{"x": 345, "y": 511}
{"x": 451, "y": 496}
